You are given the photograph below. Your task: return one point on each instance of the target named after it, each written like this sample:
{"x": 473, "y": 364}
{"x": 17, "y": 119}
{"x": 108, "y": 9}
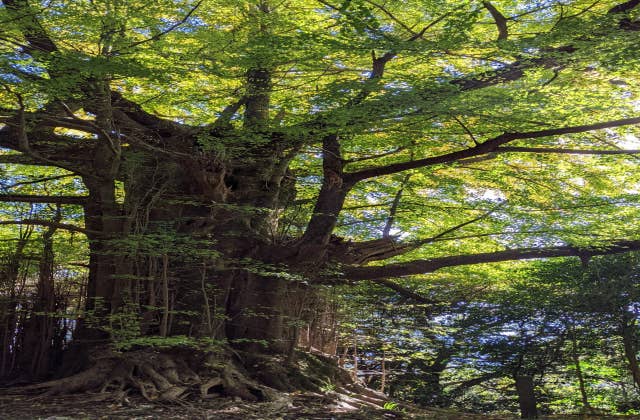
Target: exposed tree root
{"x": 179, "y": 375}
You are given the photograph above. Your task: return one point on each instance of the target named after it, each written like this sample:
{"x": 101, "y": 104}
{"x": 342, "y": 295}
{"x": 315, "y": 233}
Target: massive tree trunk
{"x": 194, "y": 251}
{"x": 257, "y": 310}
{"x": 227, "y": 210}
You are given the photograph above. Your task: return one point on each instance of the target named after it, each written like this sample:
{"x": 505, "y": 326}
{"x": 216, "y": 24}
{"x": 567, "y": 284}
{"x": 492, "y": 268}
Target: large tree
{"x": 229, "y": 155}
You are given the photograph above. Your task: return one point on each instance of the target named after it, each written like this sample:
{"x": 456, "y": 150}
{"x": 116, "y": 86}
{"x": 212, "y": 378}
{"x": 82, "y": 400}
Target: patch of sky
{"x": 625, "y": 95}
{"x": 450, "y": 69}
{"x": 397, "y": 87}
{"x": 327, "y": 10}
{"x": 630, "y": 142}
{"x": 485, "y": 194}
{"x": 399, "y": 234}
{"x": 497, "y": 65}
{"x": 311, "y": 180}
{"x": 197, "y": 21}
{"x": 374, "y": 34}
{"x": 22, "y": 63}
{"x": 542, "y": 8}
{"x": 10, "y": 78}
{"x": 339, "y": 64}
{"x": 142, "y": 31}
{"x": 191, "y": 25}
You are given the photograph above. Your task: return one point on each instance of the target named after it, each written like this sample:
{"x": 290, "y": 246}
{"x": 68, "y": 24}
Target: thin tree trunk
{"x": 9, "y": 317}
{"x": 165, "y": 297}
{"x": 205, "y": 297}
{"x": 576, "y": 361}
{"x": 526, "y": 397}
{"x": 355, "y": 357}
{"x": 39, "y": 326}
{"x": 630, "y": 348}
{"x": 383, "y": 376}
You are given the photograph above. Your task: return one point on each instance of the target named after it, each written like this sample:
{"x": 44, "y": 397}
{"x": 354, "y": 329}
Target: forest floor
{"x": 291, "y": 406}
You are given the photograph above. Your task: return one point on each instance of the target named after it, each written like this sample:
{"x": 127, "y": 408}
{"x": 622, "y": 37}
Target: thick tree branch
{"x": 33, "y": 32}
{"x": 20, "y": 159}
{"x": 386, "y": 231}
{"x": 257, "y": 98}
{"x": 356, "y": 253}
{"x": 386, "y": 247}
{"x": 501, "y": 21}
{"x": 33, "y": 181}
{"x": 624, "y": 7}
{"x": 462, "y": 386}
{"x": 43, "y": 148}
{"x": 21, "y": 137}
{"x": 510, "y": 149}
{"x": 404, "y": 292}
{"x": 488, "y": 146}
{"x": 38, "y": 222}
{"x": 434, "y": 264}
{"x": 377, "y": 71}
{"x": 380, "y": 155}
{"x": 76, "y": 124}
{"x": 331, "y": 197}
{"x": 27, "y": 198}
{"x": 228, "y": 112}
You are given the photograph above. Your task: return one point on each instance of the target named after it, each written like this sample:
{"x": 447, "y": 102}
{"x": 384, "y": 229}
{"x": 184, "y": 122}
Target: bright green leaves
{"x": 562, "y": 64}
